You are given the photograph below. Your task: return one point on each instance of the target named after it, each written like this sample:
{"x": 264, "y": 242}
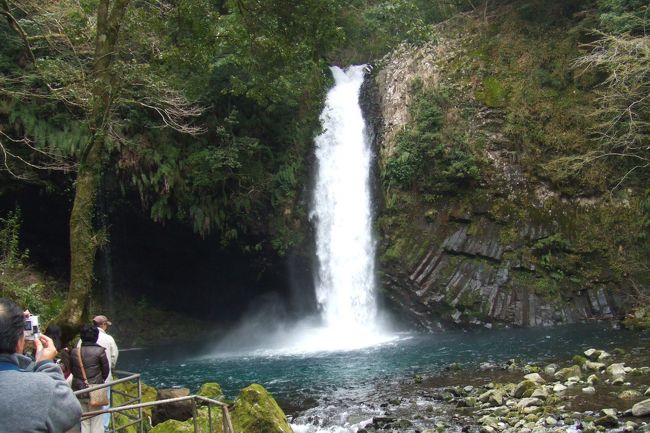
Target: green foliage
{"x": 11, "y": 255}
{"x": 17, "y": 280}
{"x": 493, "y": 94}
{"x": 624, "y": 16}
{"x": 421, "y": 159}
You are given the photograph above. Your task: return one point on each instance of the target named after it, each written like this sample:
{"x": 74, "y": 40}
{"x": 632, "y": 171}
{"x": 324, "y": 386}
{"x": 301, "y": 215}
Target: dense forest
{"x": 200, "y": 116}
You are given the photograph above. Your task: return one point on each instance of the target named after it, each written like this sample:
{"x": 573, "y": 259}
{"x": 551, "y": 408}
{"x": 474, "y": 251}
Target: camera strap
{"x": 8, "y": 366}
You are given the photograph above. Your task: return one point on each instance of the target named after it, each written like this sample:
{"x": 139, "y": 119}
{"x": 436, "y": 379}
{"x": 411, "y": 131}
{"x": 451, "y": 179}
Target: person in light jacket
{"x": 96, "y": 366}
{"x": 34, "y": 397}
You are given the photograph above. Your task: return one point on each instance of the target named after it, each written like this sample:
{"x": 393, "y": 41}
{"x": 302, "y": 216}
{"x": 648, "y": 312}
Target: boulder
{"x": 616, "y": 370}
{"x": 524, "y": 389}
{"x": 630, "y": 394}
{"x": 609, "y": 419}
{"x": 256, "y": 411}
{"x": 647, "y": 392}
{"x": 592, "y": 354}
{"x": 175, "y": 426}
{"x": 211, "y": 390}
{"x": 594, "y": 366}
{"x": 589, "y": 390}
{"x": 541, "y": 393}
{"x": 535, "y": 377}
{"x": 550, "y": 369}
{"x": 558, "y": 387}
{"x": 494, "y": 397}
{"x": 529, "y": 401}
{"x": 593, "y": 379}
{"x": 566, "y": 373}
{"x": 180, "y": 410}
{"x": 642, "y": 408}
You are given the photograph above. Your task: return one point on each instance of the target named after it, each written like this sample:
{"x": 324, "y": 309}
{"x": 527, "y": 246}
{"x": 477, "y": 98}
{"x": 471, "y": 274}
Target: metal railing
{"x": 134, "y": 402}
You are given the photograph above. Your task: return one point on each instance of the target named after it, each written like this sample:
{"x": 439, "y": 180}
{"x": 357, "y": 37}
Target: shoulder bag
{"x": 98, "y": 397}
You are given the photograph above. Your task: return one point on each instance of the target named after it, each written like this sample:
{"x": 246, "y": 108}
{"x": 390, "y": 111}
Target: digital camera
{"x": 32, "y": 330}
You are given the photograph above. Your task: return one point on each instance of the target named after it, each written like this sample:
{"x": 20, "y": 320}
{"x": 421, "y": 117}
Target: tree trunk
{"x": 83, "y": 244}
{"x": 83, "y": 239}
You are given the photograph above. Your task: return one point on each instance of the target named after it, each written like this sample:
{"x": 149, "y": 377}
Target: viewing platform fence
{"x": 134, "y": 403}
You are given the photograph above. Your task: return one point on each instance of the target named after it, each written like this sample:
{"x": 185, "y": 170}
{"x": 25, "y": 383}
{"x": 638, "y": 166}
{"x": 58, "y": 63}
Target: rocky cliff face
{"x": 513, "y": 245}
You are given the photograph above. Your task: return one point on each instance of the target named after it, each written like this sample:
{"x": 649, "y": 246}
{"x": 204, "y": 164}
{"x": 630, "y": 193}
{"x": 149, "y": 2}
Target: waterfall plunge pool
{"x": 346, "y": 387}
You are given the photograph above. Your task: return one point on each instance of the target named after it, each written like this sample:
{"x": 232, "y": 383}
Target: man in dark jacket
{"x": 34, "y": 397}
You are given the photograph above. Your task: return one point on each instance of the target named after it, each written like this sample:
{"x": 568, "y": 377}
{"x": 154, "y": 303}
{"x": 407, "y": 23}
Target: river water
{"x": 347, "y": 387}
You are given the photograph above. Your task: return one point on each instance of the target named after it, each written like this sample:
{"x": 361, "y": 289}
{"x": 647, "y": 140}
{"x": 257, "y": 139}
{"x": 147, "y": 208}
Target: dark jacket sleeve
{"x": 64, "y": 411}
{"x": 104, "y": 365}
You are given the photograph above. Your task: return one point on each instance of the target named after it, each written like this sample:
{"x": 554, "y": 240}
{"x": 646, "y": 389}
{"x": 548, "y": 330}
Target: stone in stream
{"x": 550, "y": 369}
{"x": 558, "y": 387}
{"x": 630, "y": 394}
{"x": 589, "y": 390}
{"x": 609, "y": 418}
{"x": 524, "y": 389}
{"x": 616, "y": 370}
{"x": 593, "y": 354}
{"x": 642, "y": 408}
{"x": 594, "y": 366}
{"x": 493, "y": 397}
{"x": 529, "y": 401}
{"x": 647, "y": 392}
{"x": 535, "y": 377}
{"x": 593, "y": 379}
{"x": 568, "y": 372}
{"x": 541, "y": 393}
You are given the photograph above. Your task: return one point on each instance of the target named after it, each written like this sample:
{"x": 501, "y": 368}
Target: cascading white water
{"x": 341, "y": 212}
{"x": 341, "y": 209}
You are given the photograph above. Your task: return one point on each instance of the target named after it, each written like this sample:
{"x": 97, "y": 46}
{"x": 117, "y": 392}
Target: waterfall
{"x": 341, "y": 212}
{"x": 345, "y": 247}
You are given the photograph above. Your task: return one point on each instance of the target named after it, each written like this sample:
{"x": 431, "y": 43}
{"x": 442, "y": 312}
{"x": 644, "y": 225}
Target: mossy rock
{"x": 638, "y": 320}
{"x": 524, "y": 389}
{"x": 566, "y": 373}
{"x": 174, "y": 426}
{"x": 255, "y": 411}
{"x": 149, "y": 393}
{"x": 211, "y": 390}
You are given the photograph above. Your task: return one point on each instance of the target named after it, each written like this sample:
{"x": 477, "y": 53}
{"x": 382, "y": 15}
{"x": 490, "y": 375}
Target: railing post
{"x": 195, "y": 415}
{"x": 140, "y": 411}
{"x": 210, "y": 418}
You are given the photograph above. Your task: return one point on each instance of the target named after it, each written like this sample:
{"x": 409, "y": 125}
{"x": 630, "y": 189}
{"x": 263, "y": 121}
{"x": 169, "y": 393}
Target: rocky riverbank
{"x": 594, "y": 392}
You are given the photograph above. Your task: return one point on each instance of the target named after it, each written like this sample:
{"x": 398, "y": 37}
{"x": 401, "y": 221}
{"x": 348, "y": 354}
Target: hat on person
{"x": 100, "y": 320}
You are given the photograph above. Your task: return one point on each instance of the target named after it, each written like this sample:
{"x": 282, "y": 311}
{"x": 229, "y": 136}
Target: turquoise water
{"x": 303, "y": 380}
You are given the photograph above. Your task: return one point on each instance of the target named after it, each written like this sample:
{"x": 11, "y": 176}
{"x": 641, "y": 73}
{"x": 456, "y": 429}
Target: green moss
{"x": 149, "y": 393}
{"x": 493, "y": 93}
{"x": 255, "y": 411}
{"x": 174, "y": 426}
{"x": 211, "y": 390}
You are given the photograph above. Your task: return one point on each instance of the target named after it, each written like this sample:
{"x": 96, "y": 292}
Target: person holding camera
{"x": 34, "y": 396}
{"x": 90, "y": 366}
